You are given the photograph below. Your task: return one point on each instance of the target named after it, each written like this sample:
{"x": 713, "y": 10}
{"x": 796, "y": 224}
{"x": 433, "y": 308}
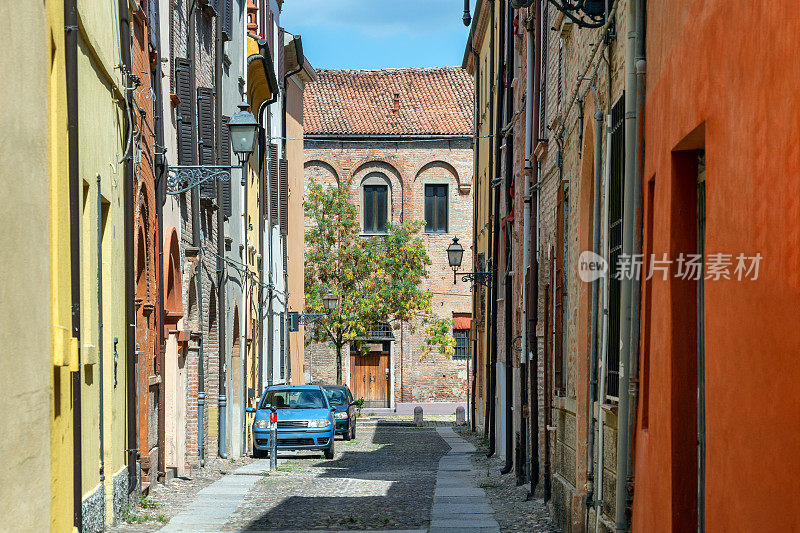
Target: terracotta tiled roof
{"x": 430, "y": 101}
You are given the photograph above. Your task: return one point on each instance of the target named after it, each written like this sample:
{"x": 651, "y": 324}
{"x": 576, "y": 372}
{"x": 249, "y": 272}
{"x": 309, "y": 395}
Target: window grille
{"x": 615, "y": 207}
{"x": 463, "y": 344}
{"x": 377, "y": 331}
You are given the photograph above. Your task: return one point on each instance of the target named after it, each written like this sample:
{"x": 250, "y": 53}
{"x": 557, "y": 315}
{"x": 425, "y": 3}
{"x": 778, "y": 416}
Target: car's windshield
{"x": 294, "y": 399}
{"x": 336, "y": 396}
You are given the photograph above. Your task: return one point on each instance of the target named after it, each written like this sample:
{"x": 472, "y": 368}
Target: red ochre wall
{"x": 727, "y": 71}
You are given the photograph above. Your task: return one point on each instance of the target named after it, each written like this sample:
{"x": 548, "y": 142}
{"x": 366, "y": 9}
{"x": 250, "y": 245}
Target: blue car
{"x": 305, "y": 420}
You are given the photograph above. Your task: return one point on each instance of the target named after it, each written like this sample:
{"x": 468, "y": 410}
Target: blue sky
{"x": 378, "y": 33}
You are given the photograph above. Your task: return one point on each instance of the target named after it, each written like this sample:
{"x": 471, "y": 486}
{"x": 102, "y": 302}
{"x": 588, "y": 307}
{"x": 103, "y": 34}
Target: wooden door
{"x": 369, "y": 378}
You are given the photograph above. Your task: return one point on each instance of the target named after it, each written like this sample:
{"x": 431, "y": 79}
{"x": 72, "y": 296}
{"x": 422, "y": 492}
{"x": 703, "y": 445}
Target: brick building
{"x": 405, "y": 136}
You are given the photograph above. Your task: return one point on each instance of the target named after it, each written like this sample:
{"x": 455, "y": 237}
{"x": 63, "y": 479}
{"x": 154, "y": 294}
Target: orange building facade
{"x": 717, "y": 435}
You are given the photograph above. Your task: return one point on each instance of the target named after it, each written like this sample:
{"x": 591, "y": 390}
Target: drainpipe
{"x": 197, "y": 243}
{"x": 221, "y": 275}
{"x": 626, "y": 292}
{"x": 71, "y": 67}
{"x": 641, "y": 70}
{"x": 475, "y": 299}
{"x": 508, "y": 67}
{"x": 598, "y": 166}
{"x": 493, "y": 162}
{"x": 100, "y": 323}
{"x": 603, "y": 349}
{"x": 160, "y": 199}
{"x": 130, "y": 313}
{"x": 527, "y": 307}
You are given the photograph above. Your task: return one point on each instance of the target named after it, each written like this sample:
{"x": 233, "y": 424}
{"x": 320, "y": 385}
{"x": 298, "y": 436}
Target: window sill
{"x": 436, "y": 232}
{"x": 364, "y": 234}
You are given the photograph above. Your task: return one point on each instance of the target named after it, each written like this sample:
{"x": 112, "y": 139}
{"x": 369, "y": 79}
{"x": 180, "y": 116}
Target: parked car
{"x": 341, "y": 399}
{"x": 305, "y": 420}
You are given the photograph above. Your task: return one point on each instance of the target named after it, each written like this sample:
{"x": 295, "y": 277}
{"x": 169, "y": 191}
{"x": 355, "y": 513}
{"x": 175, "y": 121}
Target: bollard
{"x": 418, "y": 416}
{"x": 460, "y": 416}
{"x": 273, "y": 439}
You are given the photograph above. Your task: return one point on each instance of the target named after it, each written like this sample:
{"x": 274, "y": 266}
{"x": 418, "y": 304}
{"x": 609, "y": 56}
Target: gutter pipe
{"x": 593, "y": 393}
{"x": 489, "y": 410}
{"x": 627, "y": 317}
{"x": 71, "y": 67}
{"x": 100, "y": 323}
{"x": 221, "y": 273}
{"x": 508, "y": 32}
{"x": 201, "y": 393}
{"x": 123, "y": 36}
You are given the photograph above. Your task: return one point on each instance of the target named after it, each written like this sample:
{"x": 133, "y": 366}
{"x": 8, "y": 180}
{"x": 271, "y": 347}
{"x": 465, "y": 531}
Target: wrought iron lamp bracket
{"x": 309, "y": 318}
{"x": 182, "y": 178}
{"x": 477, "y": 278}
{"x": 576, "y": 11}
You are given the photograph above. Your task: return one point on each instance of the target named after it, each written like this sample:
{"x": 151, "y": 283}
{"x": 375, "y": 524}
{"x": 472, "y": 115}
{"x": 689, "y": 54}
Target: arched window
{"x": 376, "y": 200}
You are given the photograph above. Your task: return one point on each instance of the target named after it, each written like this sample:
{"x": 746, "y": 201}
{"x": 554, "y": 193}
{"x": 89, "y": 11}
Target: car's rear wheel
{"x": 347, "y": 434}
{"x": 259, "y": 454}
{"x": 329, "y": 450}
{"x": 353, "y": 430}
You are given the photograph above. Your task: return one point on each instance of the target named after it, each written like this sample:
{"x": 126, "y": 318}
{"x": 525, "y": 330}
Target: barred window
{"x": 463, "y": 346}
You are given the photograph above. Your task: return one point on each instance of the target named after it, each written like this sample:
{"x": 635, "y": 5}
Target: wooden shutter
{"x": 271, "y": 178}
{"x": 205, "y": 116}
{"x": 271, "y": 36}
{"x": 185, "y": 116}
{"x": 558, "y": 289}
{"x": 153, "y": 24}
{"x": 225, "y": 159}
{"x": 227, "y": 19}
{"x": 279, "y": 52}
{"x": 284, "y": 198}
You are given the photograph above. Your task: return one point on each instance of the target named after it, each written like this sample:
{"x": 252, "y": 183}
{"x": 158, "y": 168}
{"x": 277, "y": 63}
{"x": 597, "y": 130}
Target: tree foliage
{"x": 377, "y": 279}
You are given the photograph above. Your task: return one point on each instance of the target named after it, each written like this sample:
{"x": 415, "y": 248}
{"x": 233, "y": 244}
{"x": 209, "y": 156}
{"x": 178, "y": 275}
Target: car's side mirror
{"x": 351, "y": 404}
{"x": 250, "y": 410}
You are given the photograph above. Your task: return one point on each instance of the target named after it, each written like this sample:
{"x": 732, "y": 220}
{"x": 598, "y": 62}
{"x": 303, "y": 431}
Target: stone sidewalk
{"x": 458, "y": 505}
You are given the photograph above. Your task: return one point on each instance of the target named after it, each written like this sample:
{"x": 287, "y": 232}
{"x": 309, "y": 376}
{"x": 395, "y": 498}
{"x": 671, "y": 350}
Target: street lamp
{"x": 243, "y": 128}
{"x": 455, "y": 253}
{"x": 330, "y": 301}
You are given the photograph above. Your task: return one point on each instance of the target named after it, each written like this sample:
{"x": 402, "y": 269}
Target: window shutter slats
{"x": 284, "y": 195}
{"x": 227, "y": 19}
{"x": 205, "y": 115}
{"x": 185, "y": 116}
{"x": 558, "y": 285}
{"x": 152, "y": 21}
{"x": 225, "y": 159}
{"x": 544, "y": 32}
{"x": 280, "y": 53}
{"x": 272, "y": 170}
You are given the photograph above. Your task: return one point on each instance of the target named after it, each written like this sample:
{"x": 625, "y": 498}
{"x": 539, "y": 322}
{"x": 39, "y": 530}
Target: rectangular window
{"x": 463, "y": 345}
{"x": 435, "y": 208}
{"x": 375, "y": 208}
{"x": 615, "y": 205}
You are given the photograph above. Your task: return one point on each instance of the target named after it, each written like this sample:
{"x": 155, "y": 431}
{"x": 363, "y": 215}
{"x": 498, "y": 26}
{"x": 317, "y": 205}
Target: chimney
{"x": 252, "y": 11}
{"x": 396, "y": 103}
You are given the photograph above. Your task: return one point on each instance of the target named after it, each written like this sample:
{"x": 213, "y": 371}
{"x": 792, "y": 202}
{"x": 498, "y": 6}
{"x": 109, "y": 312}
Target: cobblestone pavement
{"x": 512, "y": 510}
{"x": 384, "y": 479}
{"x": 166, "y": 500}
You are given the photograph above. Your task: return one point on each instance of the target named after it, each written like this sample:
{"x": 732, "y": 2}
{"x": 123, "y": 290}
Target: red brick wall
{"x": 408, "y": 167}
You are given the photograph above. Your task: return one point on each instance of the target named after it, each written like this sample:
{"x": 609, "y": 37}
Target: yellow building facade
{"x": 104, "y": 147}
{"x": 478, "y": 60}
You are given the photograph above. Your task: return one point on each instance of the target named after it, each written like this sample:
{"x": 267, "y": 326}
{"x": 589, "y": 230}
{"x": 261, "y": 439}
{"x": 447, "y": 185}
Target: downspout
{"x": 641, "y": 85}
{"x": 160, "y": 199}
{"x": 100, "y": 323}
{"x": 71, "y": 67}
{"x": 266, "y": 185}
{"x": 196, "y": 242}
{"x": 476, "y": 166}
{"x": 270, "y": 274}
{"x": 598, "y": 167}
{"x": 508, "y": 66}
{"x": 221, "y": 274}
{"x": 598, "y": 501}
{"x": 528, "y": 278}
{"x": 626, "y": 290}
{"x": 493, "y": 157}
{"x": 130, "y": 313}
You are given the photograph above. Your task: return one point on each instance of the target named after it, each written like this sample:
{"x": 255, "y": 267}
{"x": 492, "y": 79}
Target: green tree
{"x": 376, "y": 279}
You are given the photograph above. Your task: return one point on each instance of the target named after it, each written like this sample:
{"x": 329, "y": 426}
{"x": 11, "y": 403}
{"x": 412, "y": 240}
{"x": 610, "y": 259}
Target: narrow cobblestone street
{"x": 391, "y": 477}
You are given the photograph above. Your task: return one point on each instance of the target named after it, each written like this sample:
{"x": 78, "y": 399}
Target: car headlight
{"x": 319, "y": 423}
{"x": 261, "y": 424}
{"x": 342, "y": 415}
